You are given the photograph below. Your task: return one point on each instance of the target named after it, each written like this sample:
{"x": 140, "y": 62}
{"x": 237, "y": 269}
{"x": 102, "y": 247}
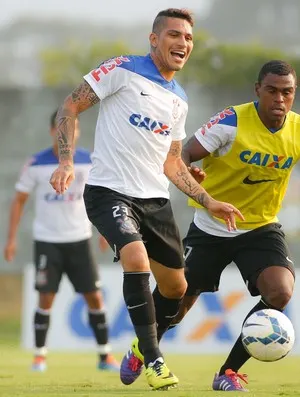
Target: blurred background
{"x": 46, "y": 48}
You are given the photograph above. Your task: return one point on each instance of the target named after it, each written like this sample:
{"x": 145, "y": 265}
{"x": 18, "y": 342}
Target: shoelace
{"x": 158, "y": 367}
{"x": 235, "y": 378}
{"x": 134, "y": 363}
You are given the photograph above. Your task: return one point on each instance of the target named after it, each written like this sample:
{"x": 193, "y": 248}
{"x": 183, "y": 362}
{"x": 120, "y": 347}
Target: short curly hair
{"x": 281, "y": 68}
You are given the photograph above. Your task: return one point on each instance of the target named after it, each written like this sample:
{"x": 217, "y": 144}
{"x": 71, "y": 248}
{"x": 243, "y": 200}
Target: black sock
{"x": 239, "y": 355}
{"x": 140, "y": 305}
{"x": 97, "y": 320}
{"x": 165, "y": 309}
{"x": 41, "y": 326}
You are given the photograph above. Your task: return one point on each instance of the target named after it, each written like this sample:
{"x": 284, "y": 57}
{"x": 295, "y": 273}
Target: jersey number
{"x": 119, "y": 210}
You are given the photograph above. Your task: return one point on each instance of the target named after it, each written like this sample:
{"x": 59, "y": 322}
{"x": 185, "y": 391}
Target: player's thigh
{"x": 259, "y": 249}
{"x": 113, "y": 215}
{"x": 206, "y": 257}
{"x": 48, "y": 266}
{"x": 81, "y": 267}
{"x": 161, "y": 235}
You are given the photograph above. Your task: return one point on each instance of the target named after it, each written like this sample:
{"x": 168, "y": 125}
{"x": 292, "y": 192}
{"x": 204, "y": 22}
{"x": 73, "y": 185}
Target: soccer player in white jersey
{"x": 62, "y": 233}
{"x": 140, "y": 127}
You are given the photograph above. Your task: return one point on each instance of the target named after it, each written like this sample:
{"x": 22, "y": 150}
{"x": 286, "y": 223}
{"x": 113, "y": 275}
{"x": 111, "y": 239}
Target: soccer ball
{"x": 268, "y": 335}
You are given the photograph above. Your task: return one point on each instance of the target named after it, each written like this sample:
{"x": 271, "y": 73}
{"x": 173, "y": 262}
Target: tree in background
{"x": 235, "y": 66}
{"x": 212, "y": 64}
{"x": 65, "y": 66}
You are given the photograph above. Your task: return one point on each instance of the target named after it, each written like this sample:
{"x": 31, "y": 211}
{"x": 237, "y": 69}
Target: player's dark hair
{"x": 53, "y": 119}
{"x": 180, "y": 13}
{"x": 281, "y": 68}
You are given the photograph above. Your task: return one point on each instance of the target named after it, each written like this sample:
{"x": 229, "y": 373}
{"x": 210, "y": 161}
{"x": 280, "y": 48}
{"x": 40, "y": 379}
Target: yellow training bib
{"x": 254, "y": 174}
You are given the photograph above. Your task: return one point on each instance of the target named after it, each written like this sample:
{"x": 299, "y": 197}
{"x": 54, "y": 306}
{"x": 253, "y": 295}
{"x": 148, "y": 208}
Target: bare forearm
{"x": 82, "y": 98}
{"x": 186, "y": 157}
{"x": 16, "y": 212}
{"x": 65, "y": 122}
{"x": 184, "y": 181}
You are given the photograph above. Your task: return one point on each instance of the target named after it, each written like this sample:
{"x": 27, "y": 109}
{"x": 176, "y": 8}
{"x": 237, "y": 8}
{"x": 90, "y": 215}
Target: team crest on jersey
{"x": 176, "y": 106}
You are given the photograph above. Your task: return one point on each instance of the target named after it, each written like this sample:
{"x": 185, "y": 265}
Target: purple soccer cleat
{"x": 230, "y": 381}
{"x": 131, "y": 365}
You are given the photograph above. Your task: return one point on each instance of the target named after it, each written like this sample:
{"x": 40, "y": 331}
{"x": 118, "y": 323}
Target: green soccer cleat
{"x": 159, "y": 377}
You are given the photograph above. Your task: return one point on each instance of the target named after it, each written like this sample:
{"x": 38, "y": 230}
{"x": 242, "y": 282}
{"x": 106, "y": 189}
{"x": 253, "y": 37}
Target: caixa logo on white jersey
{"x": 66, "y": 197}
{"x": 150, "y": 125}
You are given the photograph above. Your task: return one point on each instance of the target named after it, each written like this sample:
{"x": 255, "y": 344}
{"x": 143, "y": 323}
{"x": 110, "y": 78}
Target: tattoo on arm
{"x": 202, "y": 199}
{"x": 188, "y": 185}
{"x": 65, "y": 134}
{"x": 179, "y": 174}
{"x": 84, "y": 96}
{"x": 175, "y": 149}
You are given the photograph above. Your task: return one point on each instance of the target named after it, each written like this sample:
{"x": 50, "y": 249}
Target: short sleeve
{"x": 27, "y": 180}
{"x": 109, "y": 77}
{"x": 178, "y": 131}
{"x": 219, "y": 132}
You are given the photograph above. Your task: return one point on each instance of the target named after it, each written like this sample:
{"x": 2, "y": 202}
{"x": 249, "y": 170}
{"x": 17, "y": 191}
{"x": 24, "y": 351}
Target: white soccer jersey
{"x": 58, "y": 218}
{"x": 140, "y": 114}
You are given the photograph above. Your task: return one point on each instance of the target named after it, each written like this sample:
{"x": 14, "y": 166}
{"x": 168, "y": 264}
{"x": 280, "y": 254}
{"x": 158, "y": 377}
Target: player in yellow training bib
{"x": 249, "y": 152}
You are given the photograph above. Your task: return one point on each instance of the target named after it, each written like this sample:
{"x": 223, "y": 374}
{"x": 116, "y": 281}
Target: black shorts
{"x": 206, "y": 256}
{"x": 123, "y": 219}
{"x": 52, "y": 260}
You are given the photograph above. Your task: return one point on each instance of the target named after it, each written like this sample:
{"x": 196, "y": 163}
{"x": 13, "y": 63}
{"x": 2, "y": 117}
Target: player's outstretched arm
{"x": 176, "y": 170}
{"x": 82, "y": 98}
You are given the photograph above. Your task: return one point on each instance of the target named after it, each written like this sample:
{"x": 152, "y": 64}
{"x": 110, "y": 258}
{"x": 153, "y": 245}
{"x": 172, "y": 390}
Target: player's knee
{"x": 175, "y": 289}
{"x": 46, "y": 300}
{"x": 136, "y": 262}
{"x": 94, "y": 300}
{"x": 279, "y": 298}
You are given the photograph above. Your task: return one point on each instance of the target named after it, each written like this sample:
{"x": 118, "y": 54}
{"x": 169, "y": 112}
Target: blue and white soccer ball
{"x": 268, "y": 335}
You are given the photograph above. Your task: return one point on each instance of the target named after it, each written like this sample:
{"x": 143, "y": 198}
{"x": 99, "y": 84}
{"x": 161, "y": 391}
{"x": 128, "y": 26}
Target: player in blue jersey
{"x": 138, "y": 136}
{"x": 62, "y": 233}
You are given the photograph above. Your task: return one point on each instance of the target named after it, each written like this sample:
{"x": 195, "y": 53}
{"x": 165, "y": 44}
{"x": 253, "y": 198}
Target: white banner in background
{"x": 211, "y": 326}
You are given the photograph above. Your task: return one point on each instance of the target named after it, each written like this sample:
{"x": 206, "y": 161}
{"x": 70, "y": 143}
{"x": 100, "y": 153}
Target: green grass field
{"x": 76, "y": 375}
